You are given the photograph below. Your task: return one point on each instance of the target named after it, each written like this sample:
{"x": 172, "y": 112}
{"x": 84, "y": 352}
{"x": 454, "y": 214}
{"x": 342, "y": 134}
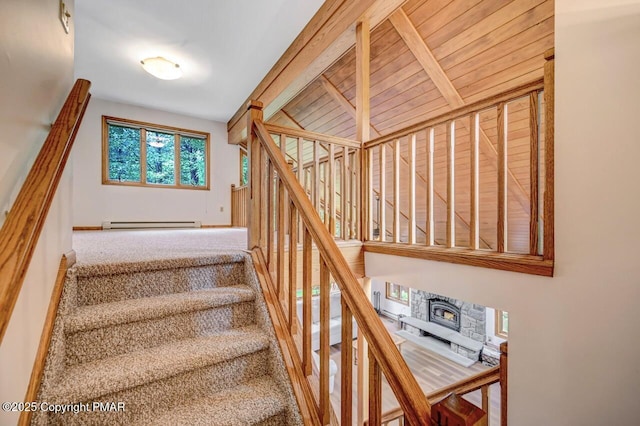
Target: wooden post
{"x": 549, "y": 105}
{"x": 363, "y": 127}
{"x": 456, "y": 411}
{"x": 382, "y": 216}
{"x": 429, "y": 225}
{"x": 396, "y": 191}
{"x": 533, "y": 173}
{"x": 254, "y": 113}
{"x": 504, "y": 368}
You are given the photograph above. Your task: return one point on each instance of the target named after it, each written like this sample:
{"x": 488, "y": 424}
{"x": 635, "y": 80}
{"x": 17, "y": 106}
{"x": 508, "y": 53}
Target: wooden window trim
{"x": 144, "y": 127}
{"x": 498, "y": 325}
{"x": 389, "y": 296}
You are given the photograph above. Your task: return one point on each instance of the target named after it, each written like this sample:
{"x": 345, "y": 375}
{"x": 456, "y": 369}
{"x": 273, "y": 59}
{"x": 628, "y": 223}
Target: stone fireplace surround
{"x": 472, "y": 319}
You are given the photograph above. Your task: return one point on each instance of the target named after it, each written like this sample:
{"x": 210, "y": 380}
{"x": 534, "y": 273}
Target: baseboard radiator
{"x": 151, "y": 225}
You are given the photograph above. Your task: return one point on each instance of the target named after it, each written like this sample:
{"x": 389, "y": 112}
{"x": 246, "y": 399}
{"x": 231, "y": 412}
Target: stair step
{"x": 252, "y": 403}
{"x": 89, "y": 381}
{"x": 132, "y": 310}
{"x": 137, "y": 280}
{"x": 99, "y": 331}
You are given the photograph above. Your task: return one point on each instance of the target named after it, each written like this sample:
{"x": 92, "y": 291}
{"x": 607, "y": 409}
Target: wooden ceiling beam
{"x": 431, "y": 66}
{"x": 329, "y": 34}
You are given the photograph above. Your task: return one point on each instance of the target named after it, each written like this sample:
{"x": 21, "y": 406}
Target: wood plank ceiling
{"x": 429, "y": 57}
{"x": 483, "y": 47}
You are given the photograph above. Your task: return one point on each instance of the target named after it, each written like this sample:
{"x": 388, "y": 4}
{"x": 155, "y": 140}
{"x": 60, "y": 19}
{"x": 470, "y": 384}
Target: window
{"x": 144, "y": 154}
{"x": 502, "y": 324}
{"x": 398, "y": 293}
{"x": 244, "y": 167}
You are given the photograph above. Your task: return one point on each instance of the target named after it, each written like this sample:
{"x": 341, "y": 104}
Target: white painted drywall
{"x": 390, "y": 306}
{"x": 95, "y": 202}
{"x": 36, "y": 65}
{"x": 573, "y": 360}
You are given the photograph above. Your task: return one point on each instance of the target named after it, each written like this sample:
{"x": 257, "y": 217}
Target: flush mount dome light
{"x": 162, "y": 68}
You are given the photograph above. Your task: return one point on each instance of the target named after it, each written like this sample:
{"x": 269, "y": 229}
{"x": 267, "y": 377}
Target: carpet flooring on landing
{"x": 173, "y": 325}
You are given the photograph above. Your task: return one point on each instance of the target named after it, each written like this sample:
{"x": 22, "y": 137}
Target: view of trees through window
{"x": 145, "y": 156}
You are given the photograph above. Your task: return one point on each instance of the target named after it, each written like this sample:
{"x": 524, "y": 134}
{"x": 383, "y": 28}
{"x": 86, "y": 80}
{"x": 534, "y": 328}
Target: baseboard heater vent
{"x": 151, "y": 225}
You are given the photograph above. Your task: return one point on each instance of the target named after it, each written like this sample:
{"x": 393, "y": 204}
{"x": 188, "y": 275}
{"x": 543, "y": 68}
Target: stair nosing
{"x": 91, "y": 317}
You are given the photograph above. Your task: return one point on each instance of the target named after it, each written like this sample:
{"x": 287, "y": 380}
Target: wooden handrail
{"x": 461, "y": 387}
{"x": 312, "y": 136}
{"x": 21, "y": 231}
{"x": 387, "y": 357}
{"x": 514, "y": 93}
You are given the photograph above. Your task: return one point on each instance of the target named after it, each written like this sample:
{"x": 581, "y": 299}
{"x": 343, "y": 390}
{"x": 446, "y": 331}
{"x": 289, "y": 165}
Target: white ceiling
{"x": 224, "y": 47}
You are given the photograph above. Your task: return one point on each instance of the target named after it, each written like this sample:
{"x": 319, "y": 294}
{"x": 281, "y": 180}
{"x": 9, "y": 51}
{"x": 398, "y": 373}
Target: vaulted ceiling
{"x": 429, "y": 57}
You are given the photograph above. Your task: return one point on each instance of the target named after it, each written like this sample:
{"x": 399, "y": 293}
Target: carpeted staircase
{"x": 175, "y": 341}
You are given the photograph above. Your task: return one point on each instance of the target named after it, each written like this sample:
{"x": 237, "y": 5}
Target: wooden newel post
{"x": 254, "y": 113}
{"x": 456, "y": 411}
{"x": 504, "y": 364}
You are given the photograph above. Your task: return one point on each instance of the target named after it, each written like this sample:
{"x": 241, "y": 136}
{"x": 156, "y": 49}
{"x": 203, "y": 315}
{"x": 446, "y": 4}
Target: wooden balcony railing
{"x": 328, "y": 173}
{"x": 239, "y": 200}
{"x": 288, "y": 202}
{"x": 21, "y": 230}
{"x": 481, "y": 381}
{"x": 478, "y": 180}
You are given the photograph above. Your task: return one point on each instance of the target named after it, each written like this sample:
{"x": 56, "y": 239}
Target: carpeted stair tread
{"x": 90, "y": 380}
{"x": 179, "y": 261}
{"x": 131, "y": 310}
{"x": 247, "y": 404}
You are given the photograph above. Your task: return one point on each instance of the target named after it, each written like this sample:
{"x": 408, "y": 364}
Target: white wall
{"x": 387, "y": 305}
{"x": 571, "y": 362}
{"x": 95, "y": 202}
{"x": 36, "y": 65}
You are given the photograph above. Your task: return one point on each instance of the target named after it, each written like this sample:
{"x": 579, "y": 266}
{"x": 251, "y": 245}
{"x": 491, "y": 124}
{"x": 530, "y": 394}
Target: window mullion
{"x": 143, "y": 155}
{"x": 176, "y": 144}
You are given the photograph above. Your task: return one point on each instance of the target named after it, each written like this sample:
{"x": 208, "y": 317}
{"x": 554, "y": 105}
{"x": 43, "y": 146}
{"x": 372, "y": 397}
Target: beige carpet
{"x": 100, "y": 247}
{"x": 171, "y": 324}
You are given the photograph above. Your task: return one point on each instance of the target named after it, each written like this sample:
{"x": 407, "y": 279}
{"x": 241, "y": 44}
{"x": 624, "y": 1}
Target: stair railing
{"x": 21, "y": 230}
{"x": 481, "y": 381}
{"x": 524, "y": 182}
{"x": 239, "y": 200}
{"x": 384, "y": 357}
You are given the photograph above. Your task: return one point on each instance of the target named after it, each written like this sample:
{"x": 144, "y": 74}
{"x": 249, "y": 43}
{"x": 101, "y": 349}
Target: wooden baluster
{"x": 316, "y": 176}
{"x": 412, "y": 188}
{"x": 375, "y": 391}
{"x": 484, "y": 391}
{"x": 280, "y": 232}
{"x": 344, "y": 194}
{"x": 301, "y": 179}
{"x": 549, "y": 165}
{"x": 253, "y": 230}
{"x": 270, "y": 216}
{"x": 429, "y": 225}
{"x": 306, "y": 302}
{"x": 502, "y": 177}
{"x": 451, "y": 207}
{"x": 396, "y": 191}
{"x": 504, "y": 369}
{"x": 293, "y": 265}
{"x": 474, "y": 139}
{"x": 325, "y": 289}
{"x": 330, "y": 201}
{"x": 364, "y": 167}
{"x": 383, "y": 193}
{"x": 264, "y": 168}
{"x": 346, "y": 368}
{"x": 534, "y": 152}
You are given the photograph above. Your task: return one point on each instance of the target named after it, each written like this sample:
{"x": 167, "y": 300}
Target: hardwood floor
{"x": 432, "y": 372}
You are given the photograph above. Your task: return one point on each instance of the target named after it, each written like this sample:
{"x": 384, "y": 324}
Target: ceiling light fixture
{"x": 162, "y": 68}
